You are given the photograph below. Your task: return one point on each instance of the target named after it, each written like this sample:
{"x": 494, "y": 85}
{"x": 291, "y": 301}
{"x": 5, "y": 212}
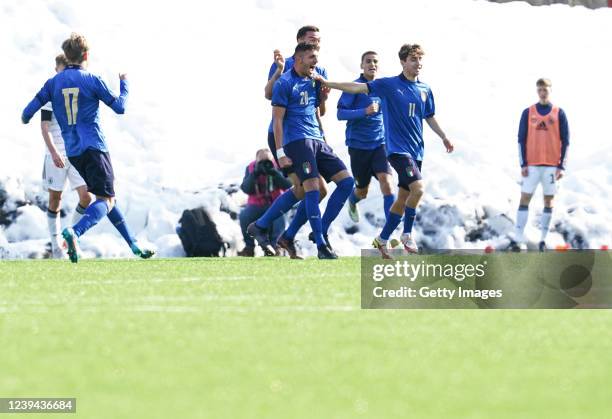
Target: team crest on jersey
{"x": 306, "y": 168}
{"x": 409, "y": 172}
{"x": 423, "y": 95}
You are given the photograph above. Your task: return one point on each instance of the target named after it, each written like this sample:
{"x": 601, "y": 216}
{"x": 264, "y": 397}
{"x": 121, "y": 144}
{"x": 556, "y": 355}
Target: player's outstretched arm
{"x": 42, "y": 97}
{"x": 116, "y": 103}
{"x": 349, "y": 87}
{"x": 433, "y": 124}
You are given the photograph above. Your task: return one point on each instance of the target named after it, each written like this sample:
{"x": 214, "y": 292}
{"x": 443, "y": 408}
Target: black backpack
{"x": 199, "y": 235}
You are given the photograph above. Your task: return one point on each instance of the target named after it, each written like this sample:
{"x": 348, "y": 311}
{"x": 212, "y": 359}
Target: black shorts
{"x": 96, "y": 169}
{"x": 272, "y": 145}
{"x": 312, "y": 158}
{"x": 367, "y": 163}
{"x": 408, "y": 170}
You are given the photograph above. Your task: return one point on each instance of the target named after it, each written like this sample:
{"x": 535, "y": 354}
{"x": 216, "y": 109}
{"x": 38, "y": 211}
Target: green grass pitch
{"x": 274, "y": 338}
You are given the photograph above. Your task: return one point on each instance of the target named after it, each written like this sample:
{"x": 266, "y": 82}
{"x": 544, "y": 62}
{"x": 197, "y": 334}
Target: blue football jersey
{"x": 364, "y": 132}
{"x": 405, "y": 104}
{"x": 75, "y": 95}
{"x": 300, "y": 97}
{"x": 288, "y": 66}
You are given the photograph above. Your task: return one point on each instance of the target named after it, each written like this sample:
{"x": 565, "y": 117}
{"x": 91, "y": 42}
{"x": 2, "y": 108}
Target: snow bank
{"x": 197, "y": 114}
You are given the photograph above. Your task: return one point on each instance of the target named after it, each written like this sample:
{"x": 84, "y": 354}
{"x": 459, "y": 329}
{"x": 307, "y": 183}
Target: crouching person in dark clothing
{"x": 263, "y": 183}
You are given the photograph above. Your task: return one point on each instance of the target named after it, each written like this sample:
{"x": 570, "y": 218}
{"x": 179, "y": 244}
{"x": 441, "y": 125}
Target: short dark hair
{"x": 368, "y": 53}
{"x": 304, "y": 30}
{"x": 303, "y": 47}
{"x": 60, "y": 59}
{"x": 543, "y": 82}
{"x": 410, "y": 49}
{"x": 75, "y": 48}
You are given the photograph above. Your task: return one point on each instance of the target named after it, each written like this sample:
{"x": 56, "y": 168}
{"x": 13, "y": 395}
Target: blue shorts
{"x": 367, "y": 163}
{"x": 96, "y": 169}
{"x": 272, "y": 145}
{"x": 312, "y": 158}
{"x": 408, "y": 170}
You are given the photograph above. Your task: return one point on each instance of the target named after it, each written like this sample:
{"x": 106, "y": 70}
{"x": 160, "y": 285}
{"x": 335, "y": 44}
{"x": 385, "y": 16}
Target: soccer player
{"x": 311, "y": 35}
{"x": 543, "y": 142}
{"x": 299, "y": 142}
{"x": 406, "y": 101}
{"x": 75, "y": 95}
{"x": 57, "y": 171}
{"x": 365, "y": 138}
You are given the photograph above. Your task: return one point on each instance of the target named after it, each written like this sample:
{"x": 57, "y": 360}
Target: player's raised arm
{"x": 275, "y": 72}
{"x": 116, "y": 103}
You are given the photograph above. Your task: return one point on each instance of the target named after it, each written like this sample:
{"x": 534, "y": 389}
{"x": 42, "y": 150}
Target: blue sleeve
{"x": 351, "y": 114}
{"x": 378, "y": 87}
{"x": 522, "y": 138}
{"x": 41, "y": 98}
{"x": 272, "y": 70}
{"x": 324, "y": 73}
{"x": 565, "y": 136}
{"x": 430, "y": 105}
{"x": 117, "y": 104}
{"x": 280, "y": 94}
{"x": 346, "y": 108}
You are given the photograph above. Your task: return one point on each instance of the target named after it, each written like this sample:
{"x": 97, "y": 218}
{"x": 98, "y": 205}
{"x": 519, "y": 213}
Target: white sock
{"x": 521, "y": 221}
{"x": 78, "y": 214}
{"x": 545, "y": 222}
{"x": 53, "y": 221}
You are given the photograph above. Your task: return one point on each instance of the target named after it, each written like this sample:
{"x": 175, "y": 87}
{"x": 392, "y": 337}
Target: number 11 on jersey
{"x": 411, "y": 109}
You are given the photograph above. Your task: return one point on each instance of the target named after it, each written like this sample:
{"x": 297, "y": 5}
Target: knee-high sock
{"x": 388, "y": 201}
{"x": 353, "y": 199}
{"x": 53, "y": 220}
{"x": 94, "y": 213}
{"x": 299, "y": 219}
{"x": 281, "y": 205}
{"x": 116, "y": 217}
{"x": 314, "y": 216}
{"x": 545, "y": 222}
{"x": 78, "y": 213}
{"x": 391, "y": 224}
{"x": 409, "y": 216}
{"x": 521, "y": 220}
{"x": 336, "y": 202}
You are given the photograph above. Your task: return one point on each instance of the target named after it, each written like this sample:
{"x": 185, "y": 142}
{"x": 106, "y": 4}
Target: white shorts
{"x": 540, "y": 174}
{"x": 55, "y": 178}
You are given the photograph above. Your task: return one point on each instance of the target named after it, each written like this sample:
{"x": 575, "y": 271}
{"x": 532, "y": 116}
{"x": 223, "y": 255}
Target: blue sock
{"x": 336, "y": 201}
{"x": 393, "y": 221}
{"x": 354, "y": 198}
{"x": 314, "y": 216}
{"x": 409, "y": 216}
{"x": 388, "y": 201}
{"x": 116, "y": 217}
{"x": 281, "y": 205}
{"x": 299, "y": 219}
{"x": 93, "y": 214}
